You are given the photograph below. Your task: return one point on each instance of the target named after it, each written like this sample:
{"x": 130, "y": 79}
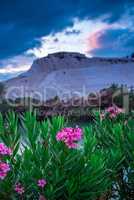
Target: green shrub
{"x": 101, "y": 167}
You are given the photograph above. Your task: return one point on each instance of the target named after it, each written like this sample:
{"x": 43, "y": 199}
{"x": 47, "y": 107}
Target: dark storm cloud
{"x": 23, "y": 22}
{"x": 115, "y": 42}
{"x": 56, "y": 40}
{"x": 74, "y": 32}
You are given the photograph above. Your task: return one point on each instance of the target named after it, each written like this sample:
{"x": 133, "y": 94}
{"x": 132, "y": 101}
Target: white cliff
{"x": 68, "y": 74}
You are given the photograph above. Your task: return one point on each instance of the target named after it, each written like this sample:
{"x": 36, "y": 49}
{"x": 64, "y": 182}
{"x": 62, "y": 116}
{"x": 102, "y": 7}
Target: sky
{"x": 30, "y": 29}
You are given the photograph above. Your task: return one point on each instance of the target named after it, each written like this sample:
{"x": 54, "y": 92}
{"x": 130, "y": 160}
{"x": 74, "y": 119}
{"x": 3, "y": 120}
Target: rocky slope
{"x": 68, "y": 74}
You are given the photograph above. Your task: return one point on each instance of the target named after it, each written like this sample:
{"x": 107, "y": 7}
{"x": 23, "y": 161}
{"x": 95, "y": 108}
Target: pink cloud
{"x": 93, "y": 42}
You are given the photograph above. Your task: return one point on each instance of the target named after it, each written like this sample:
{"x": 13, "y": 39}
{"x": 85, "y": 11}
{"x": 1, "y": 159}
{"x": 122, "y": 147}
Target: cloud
{"x": 76, "y": 38}
{"x": 84, "y": 36}
{"x": 30, "y": 29}
{"x": 23, "y": 23}
{"x": 15, "y": 65}
{"x": 72, "y": 38}
{"x": 93, "y": 41}
{"x": 73, "y": 31}
{"x": 114, "y": 42}
{"x": 9, "y": 69}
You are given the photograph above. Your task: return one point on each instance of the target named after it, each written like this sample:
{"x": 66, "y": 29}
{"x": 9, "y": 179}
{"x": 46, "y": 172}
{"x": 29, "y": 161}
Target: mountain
{"x": 67, "y": 74}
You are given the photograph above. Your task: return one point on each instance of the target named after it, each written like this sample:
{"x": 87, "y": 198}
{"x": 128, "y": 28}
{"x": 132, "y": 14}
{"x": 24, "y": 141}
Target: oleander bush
{"x": 50, "y": 161}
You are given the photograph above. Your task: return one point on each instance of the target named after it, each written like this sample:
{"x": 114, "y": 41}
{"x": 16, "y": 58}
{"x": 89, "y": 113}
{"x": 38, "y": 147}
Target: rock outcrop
{"x": 67, "y": 74}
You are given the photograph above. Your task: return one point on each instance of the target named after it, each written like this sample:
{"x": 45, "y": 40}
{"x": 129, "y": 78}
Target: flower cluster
{"x": 4, "y": 168}
{"x": 4, "y": 150}
{"x": 113, "y": 111}
{"x": 41, "y": 183}
{"x": 70, "y": 136}
{"x": 19, "y": 188}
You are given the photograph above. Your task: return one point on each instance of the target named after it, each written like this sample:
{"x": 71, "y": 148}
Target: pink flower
{"x": 19, "y": 189}
{"x": 4, "y": 168}
{"x": 41, "y": 183}
{"x": 2, "y": 175}
{"x": 111, "y": 109}
{"x": 4, "y": 150}
{"x": 70, "y": 136}
{"x": 120, "y": 110}
{"x": 114, "y": 111}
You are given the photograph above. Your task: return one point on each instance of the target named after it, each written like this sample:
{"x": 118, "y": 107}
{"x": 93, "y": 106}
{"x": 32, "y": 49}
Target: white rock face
{"x": 67, "y": 74}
